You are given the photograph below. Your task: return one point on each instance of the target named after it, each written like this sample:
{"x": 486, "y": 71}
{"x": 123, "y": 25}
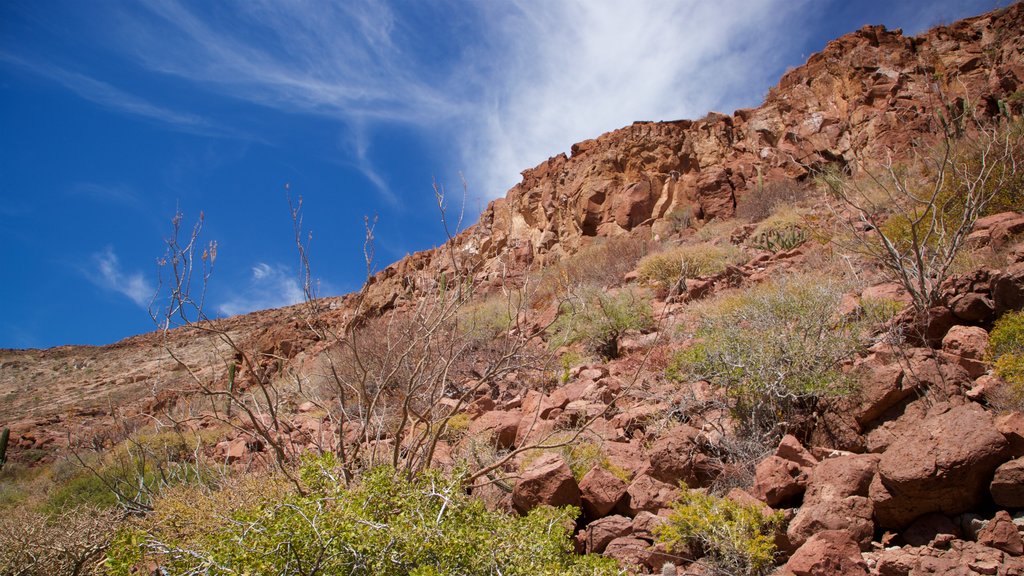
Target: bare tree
{"x": 914, "y": 223}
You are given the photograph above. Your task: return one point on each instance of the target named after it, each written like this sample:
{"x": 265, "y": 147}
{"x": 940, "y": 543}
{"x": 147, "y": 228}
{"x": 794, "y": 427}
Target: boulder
{"x": 637, "y": 552}
{"x": 779, "y": 481}
{"x": 943, "y": 465}
{"x": 499, "y": 426}
{"x": 676, "y": 457}
{"x": 1011, "y": 426}
{"x": 548, "y": 481}
{"x": 924, "y": 530}
{"x": 972, "y": 307}
{"x": 600, "y": 532}
{"x": 1008, "y": 289}
{"x": 968, "y": 346}
{"x": 600, "y": 491}
{"x": 647, "y": 493}
{"x": 1007, "y": 485}
{"x": 791, "y": 449}
{"x": 837, "y": 499}
{"x": 828, "y": 553}
{"x": 1001, "y": 533}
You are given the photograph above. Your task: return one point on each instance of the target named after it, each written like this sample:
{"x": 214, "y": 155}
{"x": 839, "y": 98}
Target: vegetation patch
{"x": 665, "y": 269}
{"x": 736, "y": 538}
{"x": 386, "y": 524}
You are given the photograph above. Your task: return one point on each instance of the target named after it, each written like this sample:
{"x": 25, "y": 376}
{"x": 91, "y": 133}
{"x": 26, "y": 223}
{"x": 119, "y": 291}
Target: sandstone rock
{"x": 498, "y": 426}
{"x": 547, "y": 481}
{"x": 636, "y": 552}
{"x": 645, "y": 524}
{"x": 889, "y": 291}
{"x": 1008, "y": 289}
{"x": 779, "y": 481}
{"x": 646, "y": 493}
{"x": 837, "y": 498}
{"x": 968, "y": 345}
{"x": 1007, "y": 486}
{"x": 1001, "y": 533}
{"x": 1011, "y": 426}
{"x": 600, "y": 492}
{"x": 600, "y": 532}
{"x": 972, "y": 307}
{"x": 676, "y": 456}
{"x": 944, "y": 465}
{"x": 828, "y": 553}
{"x": 791, "y": 449}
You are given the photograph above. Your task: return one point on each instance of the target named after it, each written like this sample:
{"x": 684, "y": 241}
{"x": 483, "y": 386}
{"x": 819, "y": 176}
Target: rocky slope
{"x": 912, "y": 475}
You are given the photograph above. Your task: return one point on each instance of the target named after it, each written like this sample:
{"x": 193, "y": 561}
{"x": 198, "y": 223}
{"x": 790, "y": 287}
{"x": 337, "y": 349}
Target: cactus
{"x": 779, "y": 240}
{"x": 4, "y": 437}
{"x": 668, "y": 569}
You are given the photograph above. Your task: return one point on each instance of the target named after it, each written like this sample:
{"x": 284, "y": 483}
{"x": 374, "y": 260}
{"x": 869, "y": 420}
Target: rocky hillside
{"x": 897, "y": 454}
{"x": 867, "y": 95}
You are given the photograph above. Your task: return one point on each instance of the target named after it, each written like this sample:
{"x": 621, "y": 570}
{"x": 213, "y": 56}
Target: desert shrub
{"x": 667, "y": 268}
{"x": 680, "y": 219}
{"x": 762, "y": 202}
{"x": 774, "y": 349}
{"x": 132, "y": 473}
{"x": 1006, "y": 350}
{"x": 739, "y": 539}
{"x": 487, "y": 318}
{"x": 386, "y": 524}
{"x": 70, "y": 543}
{"x": 601, "y": 264}
{"x": 597, "y": 318}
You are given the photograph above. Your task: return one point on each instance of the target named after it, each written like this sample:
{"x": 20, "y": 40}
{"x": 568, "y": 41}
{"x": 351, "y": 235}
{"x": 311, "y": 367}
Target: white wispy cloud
{"x": 114, "y": 98}
{"x": 269, "y": 286}
{"x": 106, "y": 272}
{"x": 573, "y": 69}
{"x": 532, "y": 77}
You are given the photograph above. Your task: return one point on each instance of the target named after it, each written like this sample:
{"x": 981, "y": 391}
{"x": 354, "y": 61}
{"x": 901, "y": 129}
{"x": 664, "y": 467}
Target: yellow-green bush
{"x": 385, "y": 525}
{"x": 597, "y": 319}
{"x": 1006, "y": 349}
{"x": 773, "y": 348}
{"x": 601, "y": 264}
{"x": 738, "y": 539}
{"x": 666, "y": 268}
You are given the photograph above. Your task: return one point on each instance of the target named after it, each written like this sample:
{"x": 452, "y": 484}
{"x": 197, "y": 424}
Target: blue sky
{"x": 116, "y": 113}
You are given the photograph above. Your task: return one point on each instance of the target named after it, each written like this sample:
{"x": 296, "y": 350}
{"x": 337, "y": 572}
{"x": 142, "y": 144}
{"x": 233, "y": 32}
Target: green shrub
{"x": 774, "y": 349}
{"x": 666, "y": 269}
{"x": 597, "y": 319}
{"x": 385, "y": 525}
{"x": 736, "y": 538}
{"x": 1006, "y": 351}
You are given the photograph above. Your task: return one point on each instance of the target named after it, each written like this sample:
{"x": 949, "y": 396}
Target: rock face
{"x": 943, "y": 465}
{"x": 867, "y": 93}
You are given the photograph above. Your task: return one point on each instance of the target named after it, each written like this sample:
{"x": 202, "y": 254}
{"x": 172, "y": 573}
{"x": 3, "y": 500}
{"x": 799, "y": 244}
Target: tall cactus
{"x": 4, "y": 437}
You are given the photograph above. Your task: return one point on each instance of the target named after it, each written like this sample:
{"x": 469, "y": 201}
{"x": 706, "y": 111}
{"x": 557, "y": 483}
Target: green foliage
{"x": 774, "y": 349}
{"x": 487, "y": 318}
{"x": 666, "y": 269}
{"x": 86, "y": 489}
{"x": 779, "y": 239}
{"x": 736, "y": 538}
{"x": 385, "y": 525}
{"x": 597, "y": 319}
{"x": 1006, "y": 350}
{"x": 880, "y": 310}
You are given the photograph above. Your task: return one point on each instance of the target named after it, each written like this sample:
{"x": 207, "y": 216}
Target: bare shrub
{"x": 914, "y": 219}
{"x": 765, "y": 200}
{"x": 70, "y": 543}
